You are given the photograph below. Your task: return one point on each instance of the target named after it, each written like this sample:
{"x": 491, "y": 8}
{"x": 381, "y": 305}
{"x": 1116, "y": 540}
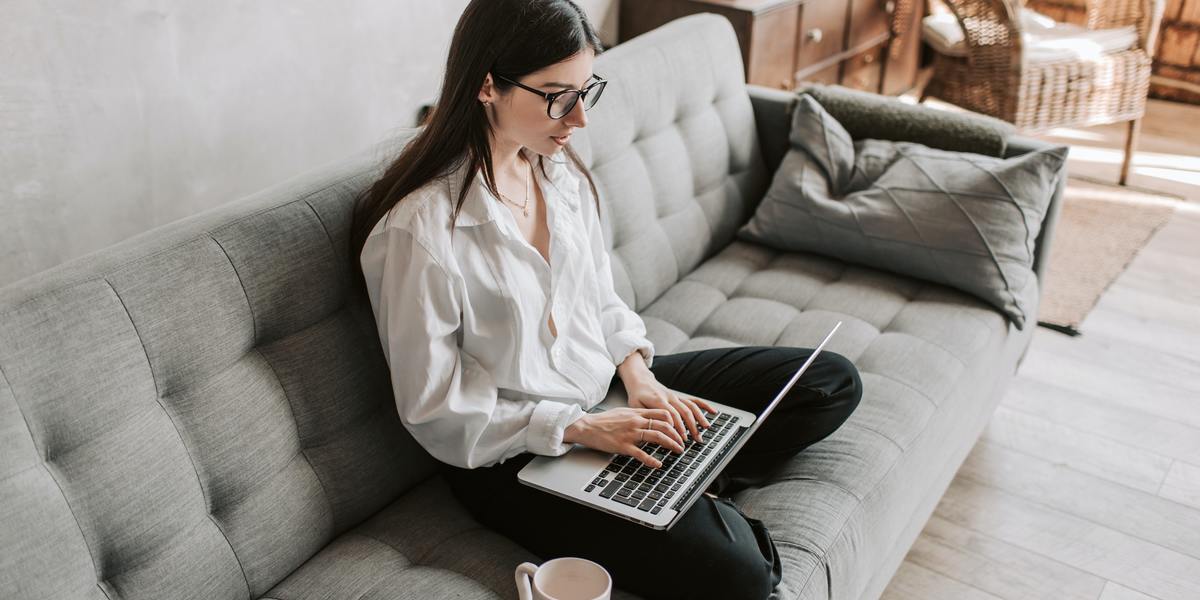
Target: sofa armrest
{"x": 1041, "y": 253}
{"x": 868, "y": 115}
{"x": 773, "y": 120}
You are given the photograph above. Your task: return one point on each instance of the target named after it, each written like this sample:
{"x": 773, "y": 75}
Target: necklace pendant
{"x": 525, "y": 211}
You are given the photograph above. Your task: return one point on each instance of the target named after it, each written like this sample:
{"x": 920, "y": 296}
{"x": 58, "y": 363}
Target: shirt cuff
{"x": 620, "y": 344}
{"x": 548, "y": 425}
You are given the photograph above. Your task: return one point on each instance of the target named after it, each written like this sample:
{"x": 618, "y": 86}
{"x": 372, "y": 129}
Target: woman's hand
{"x": 620, "y": 430}
{"x": 687, "y": 412}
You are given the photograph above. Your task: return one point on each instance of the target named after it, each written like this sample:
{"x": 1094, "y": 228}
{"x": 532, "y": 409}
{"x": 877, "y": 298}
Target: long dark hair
{"x": 507, "y": 37}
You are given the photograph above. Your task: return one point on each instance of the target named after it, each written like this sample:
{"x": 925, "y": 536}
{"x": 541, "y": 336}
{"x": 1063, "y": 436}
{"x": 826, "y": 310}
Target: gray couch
{"x": 204, "y": 411}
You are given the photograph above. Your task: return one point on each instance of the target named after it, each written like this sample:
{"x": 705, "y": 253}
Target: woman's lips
{"x": 561, "y": 141}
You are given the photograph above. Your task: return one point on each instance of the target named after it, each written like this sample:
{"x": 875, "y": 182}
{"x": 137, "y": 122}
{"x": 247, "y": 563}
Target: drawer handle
{"x": 890, "y": 6}
{"x": 815, "y": 35}
{"x": 868, "y": 58}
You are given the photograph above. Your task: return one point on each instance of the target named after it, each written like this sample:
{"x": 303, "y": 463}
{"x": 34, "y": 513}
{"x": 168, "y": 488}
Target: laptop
{"x": 621, "y": 485}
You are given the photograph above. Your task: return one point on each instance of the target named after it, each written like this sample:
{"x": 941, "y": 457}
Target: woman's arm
{"x": 624, "y": 331}
{"x": 631, "y": 350}
{"x": 444, "y": 397}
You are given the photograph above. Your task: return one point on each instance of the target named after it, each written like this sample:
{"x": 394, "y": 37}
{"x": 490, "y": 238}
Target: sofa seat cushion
{"x": 928, "y": 356}
{"x": 424, "y": 545}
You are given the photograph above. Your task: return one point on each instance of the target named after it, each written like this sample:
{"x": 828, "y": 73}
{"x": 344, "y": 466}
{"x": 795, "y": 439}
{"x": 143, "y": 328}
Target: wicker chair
{"x": 993, "y": 79}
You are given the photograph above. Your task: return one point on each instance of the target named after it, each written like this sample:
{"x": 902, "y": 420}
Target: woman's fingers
{"x": 670, "y": 431}
{"x": 665, "y": 415}
{"x": 664, "y": 440}
{"x": 689, "y": 418}
{"x": 660, "y": 414}
{"x": 692, "y": 404}
{"x": 646, "y": 459}
{"x": 676, "y": 419}
{"x": 706, "y": 406}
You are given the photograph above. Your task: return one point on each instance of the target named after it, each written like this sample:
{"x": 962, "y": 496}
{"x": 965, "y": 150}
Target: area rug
{"x": 1101, "y": 230}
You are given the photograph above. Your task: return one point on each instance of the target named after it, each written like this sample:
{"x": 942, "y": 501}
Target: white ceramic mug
{"x": 564, "y": 578}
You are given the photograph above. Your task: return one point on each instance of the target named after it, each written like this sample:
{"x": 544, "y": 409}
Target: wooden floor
{"x": 1086, "y": 483}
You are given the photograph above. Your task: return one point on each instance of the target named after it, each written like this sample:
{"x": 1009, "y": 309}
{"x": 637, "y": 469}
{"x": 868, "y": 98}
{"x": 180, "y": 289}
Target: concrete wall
{"x": 116, "y": 118}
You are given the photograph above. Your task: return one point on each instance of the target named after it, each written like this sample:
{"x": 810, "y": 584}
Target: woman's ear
{"x": 487, "y": 90}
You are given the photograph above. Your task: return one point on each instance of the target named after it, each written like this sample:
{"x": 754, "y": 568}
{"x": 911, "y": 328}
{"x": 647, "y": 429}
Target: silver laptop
{"x": 621, "y": 485}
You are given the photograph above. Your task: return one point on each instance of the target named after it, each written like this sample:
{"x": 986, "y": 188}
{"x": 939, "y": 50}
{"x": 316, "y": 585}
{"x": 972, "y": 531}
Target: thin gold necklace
{"x": 524, "y": 207}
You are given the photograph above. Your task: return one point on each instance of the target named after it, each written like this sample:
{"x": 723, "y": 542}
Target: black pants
{"x": 714, "y": 550}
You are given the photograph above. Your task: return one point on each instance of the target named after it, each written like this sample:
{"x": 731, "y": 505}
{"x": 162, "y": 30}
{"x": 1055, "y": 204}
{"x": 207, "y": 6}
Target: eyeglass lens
{"x": 565, "y": 103}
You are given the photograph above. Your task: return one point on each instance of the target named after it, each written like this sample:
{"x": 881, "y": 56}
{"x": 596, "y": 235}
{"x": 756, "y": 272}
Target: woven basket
{"x": 993, "y": 78}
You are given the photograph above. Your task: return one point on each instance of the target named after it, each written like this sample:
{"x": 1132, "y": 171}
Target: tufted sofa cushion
{"x": 197, "y": 411}
{"x": 930, "y": 357}
{"x": 674, "y": 152}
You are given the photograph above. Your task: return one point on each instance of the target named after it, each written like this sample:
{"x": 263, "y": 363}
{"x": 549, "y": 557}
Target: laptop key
{"x": 655, "y": 510}
{"x": 646, "y": 505}
{"x": 627, "y": 501}
{"x": 608, "y": 491}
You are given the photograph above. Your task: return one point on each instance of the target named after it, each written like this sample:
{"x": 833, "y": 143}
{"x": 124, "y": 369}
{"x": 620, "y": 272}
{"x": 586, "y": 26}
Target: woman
{"x": 482, "y": 254}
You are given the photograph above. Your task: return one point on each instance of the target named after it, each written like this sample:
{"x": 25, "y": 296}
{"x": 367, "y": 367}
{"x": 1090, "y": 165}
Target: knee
{"x": 845, "y": 384}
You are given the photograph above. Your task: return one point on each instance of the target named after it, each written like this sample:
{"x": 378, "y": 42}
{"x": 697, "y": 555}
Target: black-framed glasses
{"x": 560, "y": 104}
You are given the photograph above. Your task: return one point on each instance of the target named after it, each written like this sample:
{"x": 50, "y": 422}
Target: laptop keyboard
{"x": 626, "y": 480}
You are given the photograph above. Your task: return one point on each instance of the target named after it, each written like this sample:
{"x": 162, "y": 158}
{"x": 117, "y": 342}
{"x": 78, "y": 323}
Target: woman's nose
{"x": 578, "y": 116}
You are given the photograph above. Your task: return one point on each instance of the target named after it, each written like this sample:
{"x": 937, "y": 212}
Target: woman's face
{"x": 519, "y": 117}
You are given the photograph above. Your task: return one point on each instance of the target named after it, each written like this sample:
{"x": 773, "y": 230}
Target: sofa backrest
{"x": 196, "y": 411}
{"x": 674, "y": 151}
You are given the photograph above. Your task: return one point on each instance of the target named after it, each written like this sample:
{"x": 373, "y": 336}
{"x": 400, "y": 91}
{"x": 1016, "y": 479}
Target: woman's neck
{"x": 507, "y": 159}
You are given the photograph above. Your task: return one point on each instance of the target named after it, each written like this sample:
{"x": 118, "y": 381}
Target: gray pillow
{"x": 960, "y": 219}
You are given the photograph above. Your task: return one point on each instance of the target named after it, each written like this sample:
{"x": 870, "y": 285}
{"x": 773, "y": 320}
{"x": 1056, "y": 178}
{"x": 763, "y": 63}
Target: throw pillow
{"x": 960, "y": 219}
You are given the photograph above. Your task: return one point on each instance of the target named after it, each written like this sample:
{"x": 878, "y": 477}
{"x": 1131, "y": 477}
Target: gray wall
{"x": 119, "y": 117}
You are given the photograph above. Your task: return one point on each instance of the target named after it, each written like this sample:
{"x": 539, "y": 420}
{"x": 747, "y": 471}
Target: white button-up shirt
{"x": 477, "y": 374}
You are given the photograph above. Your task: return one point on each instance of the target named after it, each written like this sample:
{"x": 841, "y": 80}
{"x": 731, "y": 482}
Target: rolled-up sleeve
{"x": 623, "y": 329}
{"x": 445, "y": 398}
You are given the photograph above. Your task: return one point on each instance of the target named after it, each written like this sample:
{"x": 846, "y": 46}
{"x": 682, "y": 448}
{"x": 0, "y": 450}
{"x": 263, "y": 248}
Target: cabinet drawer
{"x": 864, "y": 70}
{"x": 772, "y": 45}
{"x": 828, "y": 75}
{"x": 870, "y": 20}
{"x": 822, "y": 31}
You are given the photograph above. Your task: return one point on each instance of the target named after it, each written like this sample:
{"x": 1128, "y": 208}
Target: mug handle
{"x": 524, "y": 575}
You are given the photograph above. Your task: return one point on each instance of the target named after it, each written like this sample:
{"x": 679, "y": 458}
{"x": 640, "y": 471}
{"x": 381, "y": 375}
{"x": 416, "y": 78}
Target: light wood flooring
{"x": 1086, "y": 483}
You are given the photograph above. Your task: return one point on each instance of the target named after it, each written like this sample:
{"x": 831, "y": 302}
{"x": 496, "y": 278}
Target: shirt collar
{"x": 480, "y": 205}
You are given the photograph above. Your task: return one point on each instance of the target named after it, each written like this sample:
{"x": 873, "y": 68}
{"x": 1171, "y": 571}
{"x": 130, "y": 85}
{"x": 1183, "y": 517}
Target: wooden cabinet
{"x": 864, "y": 71}
{"x": 787, "y": 42}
